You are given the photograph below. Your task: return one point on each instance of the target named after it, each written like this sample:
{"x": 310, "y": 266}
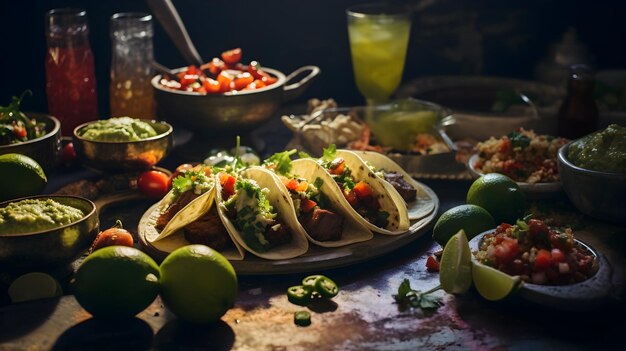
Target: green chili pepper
{"x": 302, "y": 318}
{"x": 322, "y": 285}
{"x": 299, "y": 295}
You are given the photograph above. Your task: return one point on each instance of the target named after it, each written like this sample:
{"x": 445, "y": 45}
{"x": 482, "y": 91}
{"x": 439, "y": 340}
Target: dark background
{"x": 486, "y": 37}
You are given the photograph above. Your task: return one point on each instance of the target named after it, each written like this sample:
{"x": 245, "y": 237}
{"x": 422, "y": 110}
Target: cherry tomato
{"x": 231, "y": 57}
{"x": 115, "y": 235}
{"x": 68, "y": 154}
{"x": 154, "y": 184}
{"x": 243, "y": 80}
{"x": 225, "y": 78}
{"x": 216, "y": 66}
{"x": 211, "y": 86}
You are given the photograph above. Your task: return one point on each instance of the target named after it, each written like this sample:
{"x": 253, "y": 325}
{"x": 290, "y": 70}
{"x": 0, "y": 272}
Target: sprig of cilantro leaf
{"x": 425, "y": 300}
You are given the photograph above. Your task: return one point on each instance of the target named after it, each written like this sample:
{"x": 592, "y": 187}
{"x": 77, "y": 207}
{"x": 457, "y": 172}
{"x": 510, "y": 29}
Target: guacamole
{"x": 32, "y": 215}
{"x": 118, "y": 129}
{"x": 603, "y": 151}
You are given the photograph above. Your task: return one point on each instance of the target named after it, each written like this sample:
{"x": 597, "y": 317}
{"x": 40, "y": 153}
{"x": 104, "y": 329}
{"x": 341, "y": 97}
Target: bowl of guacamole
{"x": 46, "y": 230}
{"x": 593, "y": 173}
{"x": 122, "y": 143}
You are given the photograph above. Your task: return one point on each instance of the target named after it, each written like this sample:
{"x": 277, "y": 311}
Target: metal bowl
{"x": 598, "y": 194}
{"x": 232, "y": 112}
{"x": 125, "y": 155}
{"x": 53, "y": 247}
{"x": 45, "y": 149}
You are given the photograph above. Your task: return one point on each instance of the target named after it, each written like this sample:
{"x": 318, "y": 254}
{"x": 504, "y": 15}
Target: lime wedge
{"x": 493, "y": 284}
{"x": 455, "y": 269}
{"x": 34, "y": 286}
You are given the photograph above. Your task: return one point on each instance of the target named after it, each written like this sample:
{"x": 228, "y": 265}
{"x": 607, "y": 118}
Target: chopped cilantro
{"x": 189, "y": 180}
{"x": 518, "y": 139}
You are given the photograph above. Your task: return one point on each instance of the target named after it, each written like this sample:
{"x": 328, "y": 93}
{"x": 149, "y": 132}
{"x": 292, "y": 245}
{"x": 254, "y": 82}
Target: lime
{"x": 471, "y": 218}
{"x": 491, "y": 283}
{"x": 455, "y": 269}
{"x": 21, "y": 176}
{"x": 499, "y": 195}
{"x": 34, "y": 286}
{"x": 198, "y": 284}
{"x": 116, "y": 281}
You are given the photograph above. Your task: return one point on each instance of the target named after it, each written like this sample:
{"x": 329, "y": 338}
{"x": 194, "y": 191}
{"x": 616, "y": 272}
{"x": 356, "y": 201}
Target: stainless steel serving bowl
{"x": 124, "y": 155}
{"x": 45, "y": 149}
{"x": 53, "y": 247}
{"x": 232, "y": 112}
{"x": 598, "y": 194}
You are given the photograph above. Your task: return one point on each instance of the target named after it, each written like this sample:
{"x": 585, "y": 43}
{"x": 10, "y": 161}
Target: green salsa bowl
{"x": 52, "y": 247}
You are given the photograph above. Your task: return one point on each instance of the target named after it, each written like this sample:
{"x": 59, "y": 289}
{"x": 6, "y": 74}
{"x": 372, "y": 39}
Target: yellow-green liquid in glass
{"x": 378, "y": 45}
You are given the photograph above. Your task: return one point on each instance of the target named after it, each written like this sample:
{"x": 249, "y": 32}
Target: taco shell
{"x": 423, "y": 205}
{"x": 280, "y": 201}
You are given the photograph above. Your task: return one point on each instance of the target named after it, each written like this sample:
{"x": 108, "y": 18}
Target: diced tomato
{"x": 269, "y": 80}
{"x": 188, "y": 79}
{"x": 505, "y": 146}
{"x": 228, "y": 184}
{"x": 503, "y": 227}
{"x": 257, "y": 84}
{"x": 216, "y": 66}
{"x": 253, "y": 69}
{"x": 506, "y": 251}
{"x": 232, "y": 56}
{"x": 432, "y": 264}
{"x": 243, "y": 80}
{"x": 537, "y": 227}
{"x": 362, "y": 190}
{"x": 291, "y": 184}
{"x": 337, "y": 166}
{"x": 307, "y": 205}
{"x": 557, "y": 255}
{"x": 19, "y": 131}
{"x": 543, "y": 259}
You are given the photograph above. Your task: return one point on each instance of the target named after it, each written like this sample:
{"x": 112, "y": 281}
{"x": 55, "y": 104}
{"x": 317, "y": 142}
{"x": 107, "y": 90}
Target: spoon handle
{"x": 166, "y": 14}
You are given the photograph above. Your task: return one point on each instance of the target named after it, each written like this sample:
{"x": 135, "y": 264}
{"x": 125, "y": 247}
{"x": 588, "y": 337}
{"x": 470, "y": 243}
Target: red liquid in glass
{"x": 71, "y": 86}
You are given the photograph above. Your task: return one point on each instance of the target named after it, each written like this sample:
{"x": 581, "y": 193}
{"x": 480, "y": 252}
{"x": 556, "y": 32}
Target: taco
{"x": 372, "y": 201}
{"x": 418, "y": 201}
{"x": 187, "y": 215}
{"x": 258, "y": 215}
{"x": 317, "y": 205}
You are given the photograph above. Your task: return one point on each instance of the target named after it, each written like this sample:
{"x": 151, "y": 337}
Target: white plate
{"x": 532, "y": 191}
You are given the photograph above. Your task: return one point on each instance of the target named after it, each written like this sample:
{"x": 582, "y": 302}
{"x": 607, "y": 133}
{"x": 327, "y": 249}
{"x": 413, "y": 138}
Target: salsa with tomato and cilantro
{"x": 538, "y": 253}
{"x": 225, "y": 74}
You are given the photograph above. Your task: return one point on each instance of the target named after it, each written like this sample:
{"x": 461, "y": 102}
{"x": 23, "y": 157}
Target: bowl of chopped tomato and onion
{"x": 225, "y": 95}
{"x": 35, "y": 135}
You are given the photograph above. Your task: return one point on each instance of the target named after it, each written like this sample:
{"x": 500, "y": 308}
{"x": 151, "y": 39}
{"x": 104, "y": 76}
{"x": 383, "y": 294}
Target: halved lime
{"x": 34, "y": 286}
{"x": 455, "y": 269}
{"x": 493, "y": 284}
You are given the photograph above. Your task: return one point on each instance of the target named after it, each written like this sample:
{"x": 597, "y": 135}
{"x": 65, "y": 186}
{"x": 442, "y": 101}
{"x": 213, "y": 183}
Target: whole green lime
{"x": 499, "y": 195}
{"x": 116, "y": 282}
{"x": 470, "y": 218}
{"x": 198, "y": 284}
{"x": 21, "y": 176}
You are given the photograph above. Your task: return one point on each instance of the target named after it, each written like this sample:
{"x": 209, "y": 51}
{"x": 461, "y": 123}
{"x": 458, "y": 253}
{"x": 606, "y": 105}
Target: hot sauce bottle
{"x": 70, "y": 76}
{"x": 578, "y": 115}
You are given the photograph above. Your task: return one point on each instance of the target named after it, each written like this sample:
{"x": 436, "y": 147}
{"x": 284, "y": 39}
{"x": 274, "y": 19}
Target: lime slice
{"x": 493, "y": 284}
{"x": 455, "y": 269}
{"x": 34, "y": 286}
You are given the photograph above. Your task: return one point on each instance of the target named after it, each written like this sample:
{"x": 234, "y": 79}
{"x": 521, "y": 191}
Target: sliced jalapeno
{"x": 302, "y": 318}
{"x": 299, "y": 295}
{"x": 322, "y": 285}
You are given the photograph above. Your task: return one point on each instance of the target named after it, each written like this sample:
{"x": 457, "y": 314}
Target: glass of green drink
{"x": 379, "y": 36}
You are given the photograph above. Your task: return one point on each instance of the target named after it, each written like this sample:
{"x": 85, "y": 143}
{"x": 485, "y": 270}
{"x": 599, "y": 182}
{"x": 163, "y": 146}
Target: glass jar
{"x": 131, "y": 65}
{"x": 578, "y": 114}
{"x": 70, "y": 75}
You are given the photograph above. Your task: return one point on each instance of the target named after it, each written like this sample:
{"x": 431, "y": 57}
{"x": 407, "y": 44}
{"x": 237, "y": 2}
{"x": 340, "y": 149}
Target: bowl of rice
{"x": 528, "y": 158}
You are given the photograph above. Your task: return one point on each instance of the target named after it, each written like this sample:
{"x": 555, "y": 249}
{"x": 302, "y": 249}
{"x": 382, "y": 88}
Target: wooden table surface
{"x": 364, "y": 316}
